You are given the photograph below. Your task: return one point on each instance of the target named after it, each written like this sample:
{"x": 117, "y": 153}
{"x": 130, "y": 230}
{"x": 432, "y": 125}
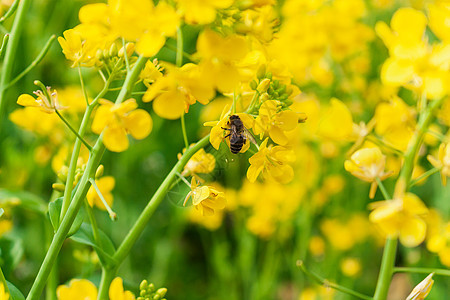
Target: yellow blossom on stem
{"x": 336, "y": 122}
{"x": 442, "y": 161}
{"x": 86, "y": 290}
{"x": 119, "y": 120}
{"x": 368, "y": 164}
{"x": 106, "y": 185}
{"x": 42, "y": 102}
{"x": 77, "y": 289}
{"x": 272, "y": 162}
{"x": 201, "y": 11}
{"x": 438, "y": 237}
{"x": 151, "y": 72}
{"x": 173, "y": 93}
{"x": 200, "y": 163}
{"x": 402, "y": 217}
{"x": 205, "y": 198}
{"x": 422, "y": 290}
{"x": 75, "y": 49}
{"x": 220, "y": 57}
{"x": 275, "y": 123}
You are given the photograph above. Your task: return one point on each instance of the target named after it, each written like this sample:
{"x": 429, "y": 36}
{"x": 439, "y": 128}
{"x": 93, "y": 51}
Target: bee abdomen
{"x": 236, "y": 146}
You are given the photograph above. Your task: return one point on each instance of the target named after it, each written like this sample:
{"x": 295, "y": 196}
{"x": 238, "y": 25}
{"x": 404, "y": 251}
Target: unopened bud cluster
{"x": 149, "y": 292}
{"x": 270, "y": 89}
{"x": 62, "y": 176}
{"x": 109, "y": 57}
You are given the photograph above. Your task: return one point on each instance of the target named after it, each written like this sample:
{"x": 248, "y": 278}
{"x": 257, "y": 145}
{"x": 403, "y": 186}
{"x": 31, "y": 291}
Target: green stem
{"x": 386, "y": 270}
{"x": 12, "y": 9}
{"x": 108, "y": 275}
{"x": 83, "y": 88}
{"x": 69, "y": 217}
{"x": 442, "y": 272}
{"x": 327, "y": 283}
{"x": 125, "y": 54}
{"x": 185, "y": 54}
{"x": 383, "y": 189}
{"x": 142, "y": 221}
{"x": 77, "y": 147}
{"x": 4, "y": 43}
{"x": 179, "y": 57}
{"x": 253, "y": 102}
{"x": 383, "y": 144}
{"x": 34, "y": 63}
{"x": 183, "y": 129}
{"x": 11, "y": 50}
{"x": 130, "y": 80}
{"x": 423, "y": 176}
{"x": 403, "y": 182}
{"x": 3, "y": 280}
{"x": 112, "y": 214}
{"x": 93, "y": 222}
{"x": 50, "y": 288}
{"x": 73, "y": 130}
{"x": 441, "y": 137}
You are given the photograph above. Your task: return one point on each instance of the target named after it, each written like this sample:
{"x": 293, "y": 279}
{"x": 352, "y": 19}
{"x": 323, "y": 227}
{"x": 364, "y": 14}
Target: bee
{"x": 238, "y": 134}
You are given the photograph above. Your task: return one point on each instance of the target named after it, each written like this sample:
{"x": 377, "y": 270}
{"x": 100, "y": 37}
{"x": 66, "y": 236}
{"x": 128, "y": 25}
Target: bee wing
{"x": 250, "y": 136}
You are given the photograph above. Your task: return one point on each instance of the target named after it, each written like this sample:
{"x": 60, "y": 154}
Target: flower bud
{"x": 99, "y": 171}
{"x": 130, "y": 49}
{"x": 261, "y": 72}
{"x": 253, "y": 85}
{"x": 263, "y": 85}
{"x": 58, "y": 187}
{"x": 113, "y": 50}
{"x": 161, "y": 291}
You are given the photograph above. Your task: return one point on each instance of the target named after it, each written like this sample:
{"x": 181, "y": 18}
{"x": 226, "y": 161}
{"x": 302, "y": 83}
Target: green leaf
{"x": 54, "y": 212}
{"x": 1, "y": 211}
{"x": 23, "y": 199}
{"x": 105, "y": 250}
{"x": 11, "y": 252}
{"x": 14, "y": 292}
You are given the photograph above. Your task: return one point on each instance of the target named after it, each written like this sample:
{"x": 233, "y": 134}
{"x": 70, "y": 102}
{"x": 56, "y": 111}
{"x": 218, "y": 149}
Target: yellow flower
{"x": 422, "y": 290}
{"x": 39, "y": 122}
{"x": 151, "y": 72}
{"x": 86, "y": 290}
{"x": 42, "y": 102}
{"x": 275, "y": 123}
{"x": 116, "y": 291}
{"x": 205, "y": 198}
{"x": 119, "y": 120}
{"x": 201, "y": 11}
{"x": 200, "y": 163}
{"x": 402, "y": 217}
{"x": 3, "y": 294}
{"x": 368, "y": 164}
{"x": 178, "y": 89}
{"x": 413, "y": 63}
{"x": 336, "y": 122}
{"x": 220, "y": 57}
{"x": 438, "y": 237}
{"x": 395, "y": 122}
{"x": 76, "y": 50}
{"x": 105, "y": 185}
{"x": 272, "y": 162}
{"x": 77, "y": 289}
{"x": 212, "y": 222}
{"x": 442, "y": 161}
{"x": 351, "y": 266}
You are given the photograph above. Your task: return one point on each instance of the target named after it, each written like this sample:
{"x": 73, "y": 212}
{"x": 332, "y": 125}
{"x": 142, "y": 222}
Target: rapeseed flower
{"x": 401, "y": 217}
{"x": 173, "y": 93}
{"x": 81, "y": 52}
{"x": 368, "y": 164}
{"x": 119, "y": 120}
{"x": 206, "y": 199}
{"x": 42, "y": 102}
{"x": 272, "y": 162}
{"x": 86, "y": 290}
{"x": 274, "y": 123}
{"x": 438, "y": 237}
{"x": 220, "y": 57}
{"x": 201, "y": 11}
{"x": 336, "y": 122}
{"x": 200, "y": 163}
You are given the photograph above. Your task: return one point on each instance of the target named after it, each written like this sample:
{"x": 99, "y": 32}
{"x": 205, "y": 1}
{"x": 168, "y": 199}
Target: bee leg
{"x": 227, "y": 136}
{"x": 225, "y": 128}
